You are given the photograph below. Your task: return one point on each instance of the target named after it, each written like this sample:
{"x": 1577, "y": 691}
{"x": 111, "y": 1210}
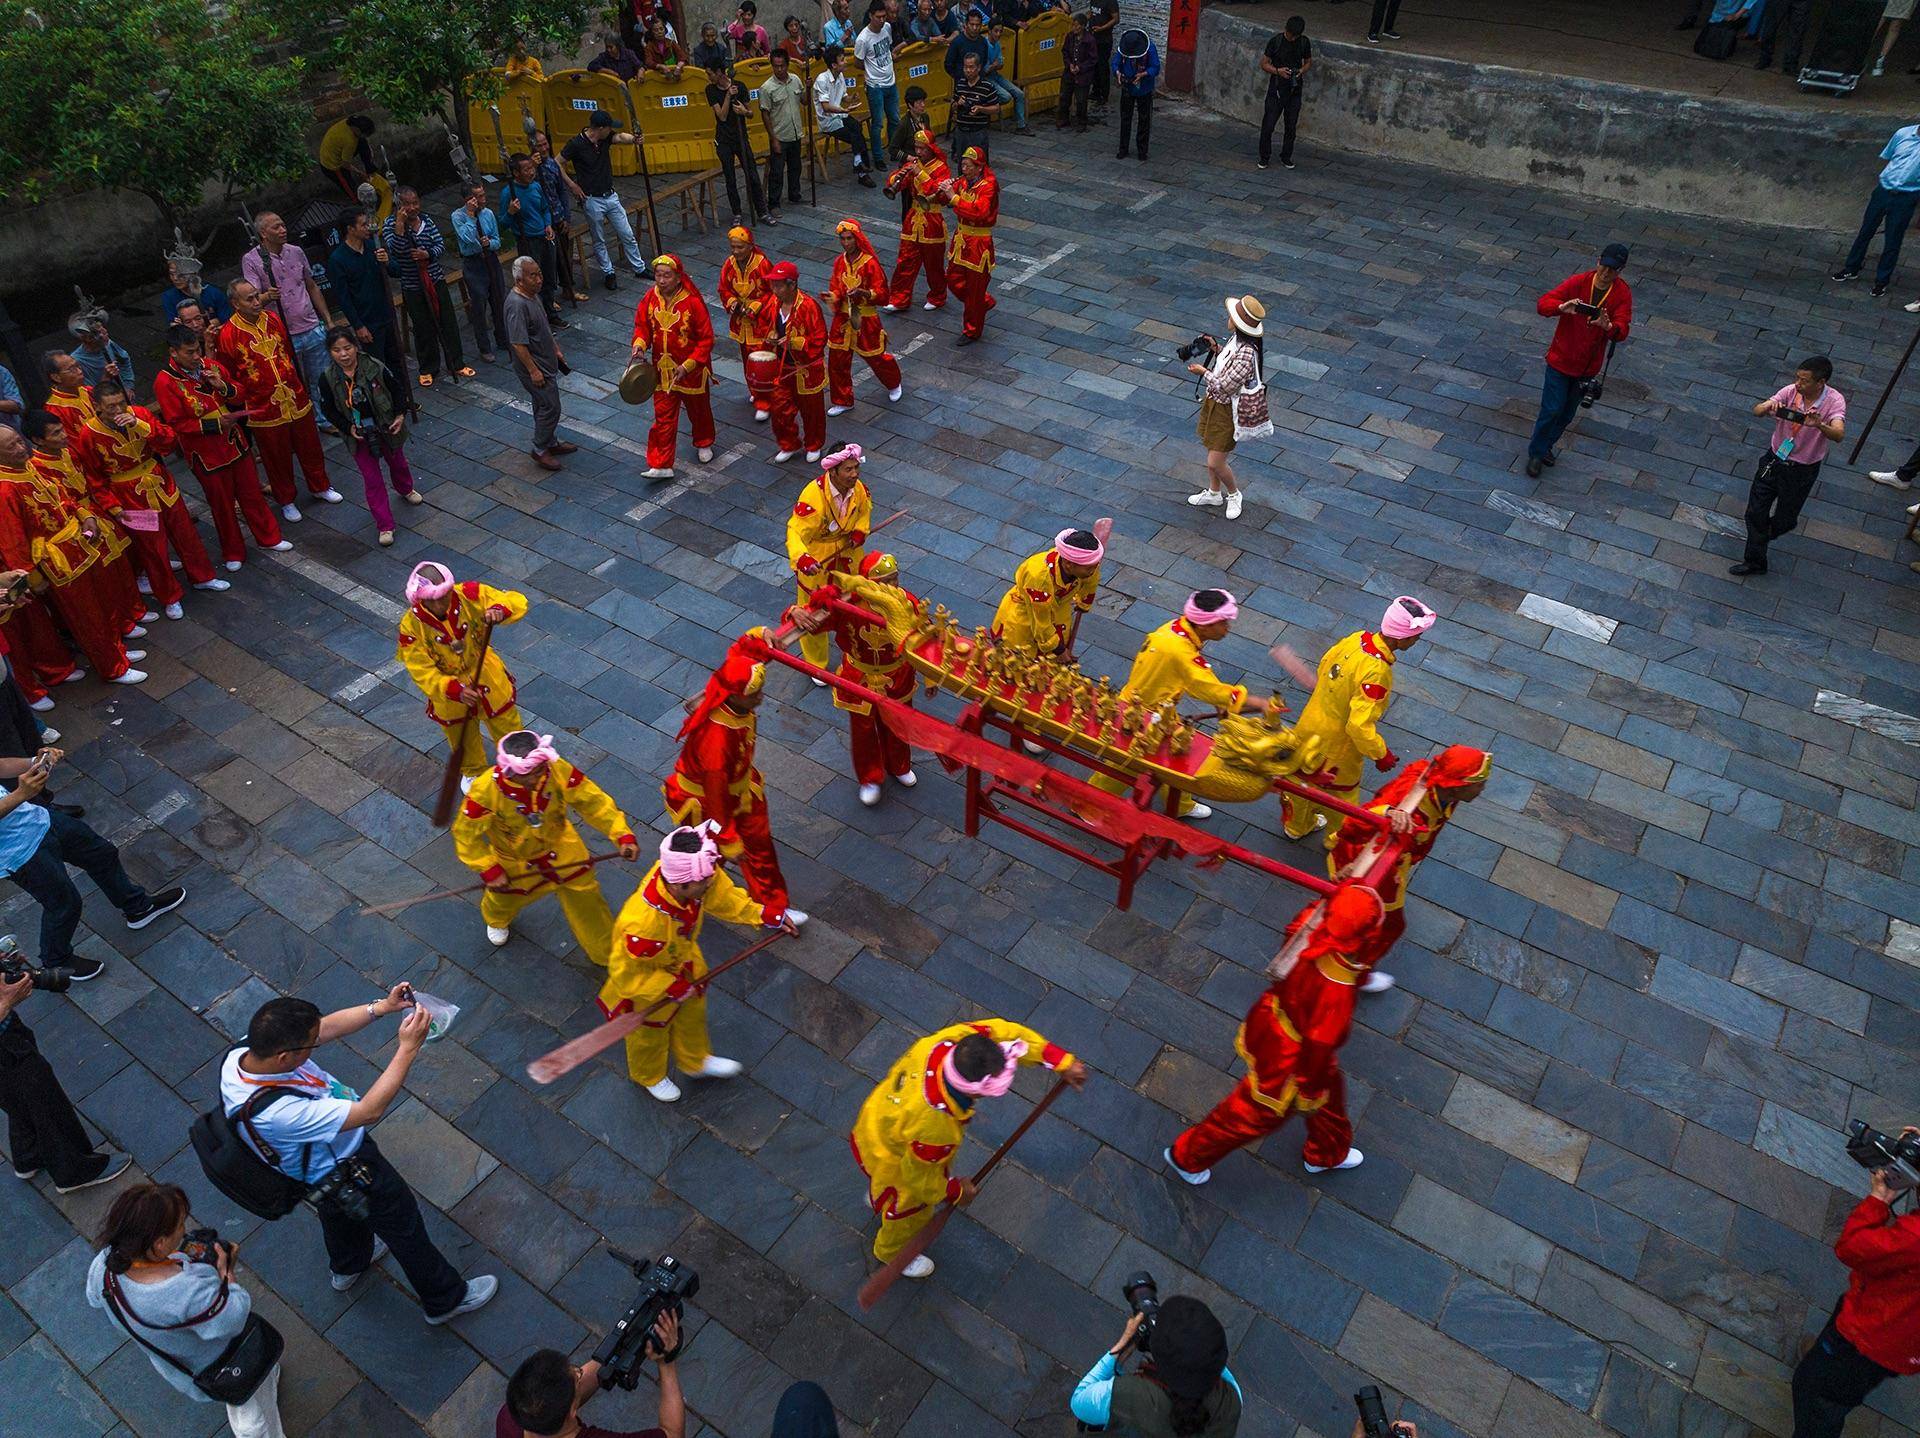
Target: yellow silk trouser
{"x": 681, "y": 1028}
{"x": 476, "y": 755}
{"x": 580, "y": 900}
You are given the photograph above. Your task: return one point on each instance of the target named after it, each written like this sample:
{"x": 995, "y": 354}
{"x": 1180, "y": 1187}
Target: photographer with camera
{"x": 302, "y": 1121}
{"x": 1182, "y": 1388}
{"x": 1595, "y": 310}
{"x": 546, "y": 1393}
{"x": 43, "y": 1131}
{"x": 1233, "y": 397}
{"x": 1874, "y": 1333}
{"x": 172, "y": 1292}
{"x": 1808, "y": 415}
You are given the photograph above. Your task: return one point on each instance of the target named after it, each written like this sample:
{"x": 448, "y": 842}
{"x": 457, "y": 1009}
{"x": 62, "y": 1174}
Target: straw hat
{"x": 1248, "y": 315}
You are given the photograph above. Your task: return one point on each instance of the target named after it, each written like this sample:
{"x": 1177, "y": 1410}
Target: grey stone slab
{"x": 1473, "y": 1237}
{"x": 1726, "y": 1297}
{"x": 1425, "y": 1364}
{"x": 1382, "y": 1262}
{"x": 1525, "y": 1341}
{"x": 1522, "y": 1131}
{"x": 1590, "y": 1227}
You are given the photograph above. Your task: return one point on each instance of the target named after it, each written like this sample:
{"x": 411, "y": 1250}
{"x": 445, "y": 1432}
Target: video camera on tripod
{"x": 665, "y": 1284}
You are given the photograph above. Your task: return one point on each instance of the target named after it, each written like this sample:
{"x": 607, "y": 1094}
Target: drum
{"x": 763, "y": 372}
{"x": 636, "y": 385}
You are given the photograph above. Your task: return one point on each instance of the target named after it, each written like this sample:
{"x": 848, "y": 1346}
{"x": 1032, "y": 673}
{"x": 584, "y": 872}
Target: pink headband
{"x": 992, "y": 1086}
{"x": 839, "y": 457}
{"x": 543, "y": 752}
{"x": 1073, "y": 553}
{"x": 1406, "y": 617}
{"x": 1194, "y": 614}
{"x": 420, "y": 587}
{"x": 679, "y": 866}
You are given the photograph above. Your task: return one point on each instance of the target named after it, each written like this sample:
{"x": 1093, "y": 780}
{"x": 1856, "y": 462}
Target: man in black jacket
{"x": 357, "y": 270}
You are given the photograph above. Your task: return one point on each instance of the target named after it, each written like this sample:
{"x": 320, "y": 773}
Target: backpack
{"x": 234, "y": 1168}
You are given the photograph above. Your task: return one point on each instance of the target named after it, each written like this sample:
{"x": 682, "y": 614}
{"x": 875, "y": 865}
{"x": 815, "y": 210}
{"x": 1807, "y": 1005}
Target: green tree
{"x": 417, "y": 58}
{"x": 157, "y": 97}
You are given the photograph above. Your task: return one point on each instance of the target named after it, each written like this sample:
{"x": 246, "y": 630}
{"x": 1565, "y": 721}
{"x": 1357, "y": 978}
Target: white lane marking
{"x": 1587, "y": 625}
{"x": 164, "y": 808}
{"x": 334, "y": 582}
{"x": 674, "y": 489}
{"x": 1888, "y": 723}
{"x": 367, "y": 682}
{"x": 502, "y": 400}
{"x": 1034, "y": 267}
{"x": 1147, "y": 201}
{"x": 914, "y": 344}
{"x": 1533, "y": 510}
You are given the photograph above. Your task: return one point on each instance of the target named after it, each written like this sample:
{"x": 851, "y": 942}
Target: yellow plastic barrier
{"x": 753, "y": 74}
{"x": 1039, "y": 58}
{"x": 924, "y": 63}
{"x": 675, "y": 119}
{"x": 573, "y": 96}
{"x": 518, "y": 98}
{"x": 855, "y": 100}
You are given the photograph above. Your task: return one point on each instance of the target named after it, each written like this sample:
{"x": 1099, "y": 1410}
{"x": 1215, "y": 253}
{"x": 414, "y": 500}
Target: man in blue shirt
{"x": 972, "y": 40}
{"x": 1892, "y": 201}
{"x": 477, "y": 231}
{"x": 994, "y": 72}
{"x": 839, "y": 30}
{"x": 358, "y": 278}
{"x": 1136, "y": 65}
{"x": 523, "y": 211}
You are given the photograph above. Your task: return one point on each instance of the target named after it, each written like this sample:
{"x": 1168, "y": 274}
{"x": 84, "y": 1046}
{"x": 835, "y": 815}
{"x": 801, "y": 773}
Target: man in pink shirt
{"x": 1808, "y": 415}
{"x": 285, "y": 280}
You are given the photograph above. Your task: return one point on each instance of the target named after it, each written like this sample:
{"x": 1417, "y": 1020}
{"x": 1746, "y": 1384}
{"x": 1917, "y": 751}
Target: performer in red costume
{"x": 1457, "y": 777}
{"x": 53, "y": 461}
{"x": 858, "y": 284}
{"x": 201, "y": 404}
{"x": 1290, "y": 1044}
{"x": 257, "y": 353}
{"x": 923, "y": 234}
{"x": 715, "y": 779}
{"x": 800, "y": 339}
{"x": 975, "y": 198}
{"x": 671, "y": 324}
{"x": 869, "y": 658}
{"x": 743, "y": 294}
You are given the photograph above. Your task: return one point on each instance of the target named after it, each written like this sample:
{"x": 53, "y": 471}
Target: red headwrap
{"x": 860, "y": 237}
{"x": 1349, "y": 916}
{"x": 924, "y": 135}
{"x": 686, "y": 276}
{"x": 1455, "y": 768}
{"x": 739, "y": 673}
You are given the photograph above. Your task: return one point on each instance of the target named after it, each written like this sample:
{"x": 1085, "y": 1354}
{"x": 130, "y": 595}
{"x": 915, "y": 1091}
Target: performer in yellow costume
{"x": 825, "y": 533}
{"x": 656, "y": 954}
{"x": 1350, "y": 695}
{"x": 1049, "y": 588}
{"x": 515, "y": 829}
{"x": 440, "y": 645}
{"x": 1170, "y": 667}
{"x": 913, "y": 1122}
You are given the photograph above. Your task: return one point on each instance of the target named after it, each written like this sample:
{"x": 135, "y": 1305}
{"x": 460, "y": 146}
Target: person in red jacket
{"x": 799, "y": 330}
{"x": 975, "y": 198}
{"x": 1874, "y": 1333}
{"x": 871, "y": 659}
{"x": 202, "y": 406}
{"x": 255, "y": 350}
{"x": 715, "y": 779}
{"x": 1290, "y": 1043}
{"x": 1595, "y": 309}
{"x": 671, "y": 325}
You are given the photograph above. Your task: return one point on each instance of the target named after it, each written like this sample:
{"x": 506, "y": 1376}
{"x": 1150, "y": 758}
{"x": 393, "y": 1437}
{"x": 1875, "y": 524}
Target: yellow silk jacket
{"x": 1350, "y": 696}
{"x": 814, "y": 529}
{"x": 503, "y": 825}
{"x": 1170, "y": 665}
{"x": 441, "y": 654}
{"x": 656, "y": 940}
{"x": 1036, "y": 614}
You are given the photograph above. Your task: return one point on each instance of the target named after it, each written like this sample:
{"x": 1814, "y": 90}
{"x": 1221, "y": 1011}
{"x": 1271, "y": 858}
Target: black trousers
{"x": 1130, "y": 106}
{"x": 1283, "y": 102}
{"x": 43, "y": 1131}
{"x": 1073, "y": 102}
{"x": 734, "y": 151}
{"x": 1385, "y": 14}
{"x": 784, "y": 158}
{"x": 436, "y": 328}
{"x": 1102, "y": 67}
{"x": 1786, "y": 24}
{"x": 1906, "y": 471}
{"x": 395, "y": 1218}
{"x": 546, "y": 252}
{"x": 486, "y": 299}
{"x": 1831, "y": 1381}
{"x": 1780, "y": 488}
{"x": 44, "y": 876}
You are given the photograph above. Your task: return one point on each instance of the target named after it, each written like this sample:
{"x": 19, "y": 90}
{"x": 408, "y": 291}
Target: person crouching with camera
{"x": 1182, "y": 1388}
{"x": 1874, "y": 1333}
{"x": 546, "y": 1393}
{"x": 317, "y": 1135}
{"x": 1233, "y": 398}
{"x": 1596, "y": 310}
{"x": 1808, "y": 415}
{"x": 173, "y": 1292}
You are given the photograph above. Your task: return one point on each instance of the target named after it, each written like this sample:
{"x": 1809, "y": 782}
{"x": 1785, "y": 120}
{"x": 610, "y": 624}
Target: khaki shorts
{"x": 1216, "y": 425}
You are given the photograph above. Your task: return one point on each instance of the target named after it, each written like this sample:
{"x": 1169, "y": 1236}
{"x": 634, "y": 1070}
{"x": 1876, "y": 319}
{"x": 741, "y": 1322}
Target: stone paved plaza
{"x": 1648, "y": 976}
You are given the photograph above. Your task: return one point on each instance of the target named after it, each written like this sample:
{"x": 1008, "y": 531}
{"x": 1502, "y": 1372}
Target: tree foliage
{"x": 152, "y": 96}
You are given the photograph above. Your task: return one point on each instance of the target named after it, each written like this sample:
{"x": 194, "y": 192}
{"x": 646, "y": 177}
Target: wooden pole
{"x": 449, "y": 796}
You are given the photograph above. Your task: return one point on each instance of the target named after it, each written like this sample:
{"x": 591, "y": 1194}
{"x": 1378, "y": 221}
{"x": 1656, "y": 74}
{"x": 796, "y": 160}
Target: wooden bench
{"x": 695, "y": 194}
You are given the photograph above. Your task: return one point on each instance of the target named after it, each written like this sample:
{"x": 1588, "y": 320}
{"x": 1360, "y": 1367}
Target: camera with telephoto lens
{"x": 1143, "y": 1297}
{"x": 1898, "y": 1154}
{"x": 51, "y": 978}
{"x": 665, "y": 1285}
{"x": 1202, "y": 344}
{"x": 347, "y": 1190}
{"x": 1373, "y": 1415}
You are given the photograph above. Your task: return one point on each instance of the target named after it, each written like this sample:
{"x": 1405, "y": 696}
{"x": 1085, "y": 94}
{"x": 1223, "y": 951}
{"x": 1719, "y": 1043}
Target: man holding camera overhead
{"x": 546, "y": 1393}
{"x": 1596, "y": 310}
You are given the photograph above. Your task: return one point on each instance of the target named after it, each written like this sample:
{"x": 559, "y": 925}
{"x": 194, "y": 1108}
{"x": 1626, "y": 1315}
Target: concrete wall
{"x": 1718, "y": 158}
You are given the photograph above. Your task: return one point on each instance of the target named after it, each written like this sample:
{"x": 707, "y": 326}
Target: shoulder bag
{"x": 242, "y": 1366}
{"x": 1250, "y": 417}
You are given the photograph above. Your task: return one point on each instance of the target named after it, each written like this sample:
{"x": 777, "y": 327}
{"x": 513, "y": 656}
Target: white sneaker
{"x": 132, "y": 676}
{"x": 1913, "y": 509}
{"x": 1181, "y": 1173}
{"x": 1234, "y": 502}
{"x": 343, "y": 1281}
{"x": 1889, "y": 477}
{"x": 761, "y": 416}
{"x": 657, "y": 473}
{"x": 813, "y": 455}
{"x": 667, "y": 1091}
{"x": 233, "y": 566}
{"x": 1377, "y": 981}
{"x": 893, "y": 395}
{"x": 174, "y": 611}
{"x": 782, "y": 457}
{"x": 1353, "y": 1159}
{"x": 135, "y": 654}
{"x": 49, "y": 735}
{"x": 929, "y": 305}
{"x": 921, "y": 1267}
{"x": 479, "y": 1290}
{"x": 706, "y": 454}
{"x": 1199, "y": 811}
{"x": 290, "y": 513}
{"x": 1033, "y": 748}
{"x": 498, "y": 937}
{"x": 834, "y": 409}
{"x": 891, "y": 309}
{"x": 1913, "y": 307}
{"x": 1206, "y": 497}
{"x": 906, "y": 780}
{"x": 42, "y": 704}
{"x": 143, "y": 584}
{"x": 215, "y": 586}
{"x": 330, "y": 496}
{"x": 1879, "y": 67}
{"x": 713, "y": 1066}
{"x": 799, "y": 916}
{"x": 75, "y": 677}
{"x": 139, "y": 631}
{"x": 283, "y": 547}
{"x": 869, "y": 794}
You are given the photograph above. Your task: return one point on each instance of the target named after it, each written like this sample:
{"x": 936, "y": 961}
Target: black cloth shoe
{"x": 1743, "y": 568}
{"x": 1549, "y": 459}
{"x": 84, "y": 969}
{"x": 72, "y": 811}
{"x": 154, "y": 905}
{"x": 1533, "y": 467}
{"x": 1879, "y": 287}
{"x": 611, "y": 283}
{"x": 1121, "y": 155}
{"x": 105, "y": 1168}
{"x": 1844, "y": 275}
